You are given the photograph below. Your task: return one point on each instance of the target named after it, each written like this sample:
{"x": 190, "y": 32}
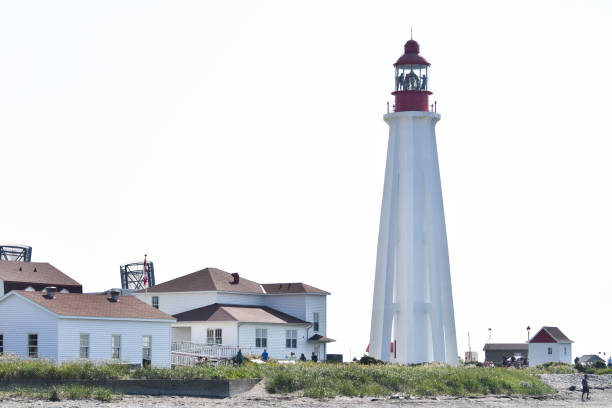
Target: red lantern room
{"x": 411, "y": 80}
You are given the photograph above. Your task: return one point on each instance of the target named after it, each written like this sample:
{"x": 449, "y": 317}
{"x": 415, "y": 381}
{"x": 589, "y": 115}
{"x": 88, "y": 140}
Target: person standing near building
{"x": 264, "y": 356}
{"x": 585, "y": 388}
{"x": 610, "y": 362}
{"x": 239, "y": 356}
{"x": 314, "y": 357}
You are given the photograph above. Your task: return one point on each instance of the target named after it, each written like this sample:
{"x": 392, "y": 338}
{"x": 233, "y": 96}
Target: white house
{"x": 215, "y": 307}
{"x": 75, "y": 326}
{"x": 549, "y": 345}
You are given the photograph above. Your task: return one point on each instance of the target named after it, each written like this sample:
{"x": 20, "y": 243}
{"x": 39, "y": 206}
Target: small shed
{"x": 495, "y": 352}
{"x": 590, "y": 359}
{"x": 550, "y": 345}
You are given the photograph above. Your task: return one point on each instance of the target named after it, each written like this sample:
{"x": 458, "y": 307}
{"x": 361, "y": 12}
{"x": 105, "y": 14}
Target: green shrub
{"x": 369, "y": 360}
{"x": 599, "y": 364}
{"x": 54, "y": 394}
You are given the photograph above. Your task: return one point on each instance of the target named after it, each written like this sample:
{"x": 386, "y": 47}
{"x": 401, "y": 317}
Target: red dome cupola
{"x": 411, "y": 80}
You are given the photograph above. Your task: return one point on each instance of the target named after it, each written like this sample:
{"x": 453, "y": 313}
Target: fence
{"x": 187, "y": 353}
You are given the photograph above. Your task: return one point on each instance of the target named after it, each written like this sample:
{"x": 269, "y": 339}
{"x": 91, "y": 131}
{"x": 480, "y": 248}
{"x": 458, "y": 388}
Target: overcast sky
{"x": 248, "y": 136}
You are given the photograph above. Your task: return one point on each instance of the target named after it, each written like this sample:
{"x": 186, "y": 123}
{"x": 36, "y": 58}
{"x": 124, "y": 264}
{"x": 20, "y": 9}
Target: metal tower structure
{"x": 137, "y": 275}
{"x": 12, "y": 252}
{"x": 412, "y": 315}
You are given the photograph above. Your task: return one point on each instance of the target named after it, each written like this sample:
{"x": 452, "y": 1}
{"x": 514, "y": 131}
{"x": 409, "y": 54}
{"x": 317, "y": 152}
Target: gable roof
{"x": 218, "y": 312}
{"x": 291, "y": 288}
{"x": 590, "y": 358}
{"x": 208, "y": 279}
{"x": 89, "y": 305}
{"x": 506, "y": 346}
{"x": 550, "y": 334}
{"x": 34, "y": 272}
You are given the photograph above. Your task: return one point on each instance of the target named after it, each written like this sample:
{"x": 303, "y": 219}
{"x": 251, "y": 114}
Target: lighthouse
{"x": 412, "y": 315}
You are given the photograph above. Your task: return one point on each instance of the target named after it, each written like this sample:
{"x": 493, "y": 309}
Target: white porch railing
{"x": 187, "y": 353}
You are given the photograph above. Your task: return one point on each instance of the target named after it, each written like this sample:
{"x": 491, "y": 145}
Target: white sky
{"x": 249, "y": 136}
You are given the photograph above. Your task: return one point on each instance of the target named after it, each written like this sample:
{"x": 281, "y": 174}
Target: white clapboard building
{"x": 218, "y": 308}
{"x": 75, "y": 326}
{"x": 550, "y": 345}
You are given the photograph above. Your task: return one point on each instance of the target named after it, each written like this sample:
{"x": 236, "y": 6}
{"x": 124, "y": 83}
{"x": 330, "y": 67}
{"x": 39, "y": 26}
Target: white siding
{"x": 178, "y": 302}
{"x": 198, "y": 331}
{"x": 100, "y": 332}
{"x": 1, "y": 287}
{"x": 538, "y": 353}
{"x": 240, "y": 299}
{"x": 317, "y": 304}
{"x": 276, "y": 340}
{"x": 294, "y": 305}
{"x": 18, "y": 318}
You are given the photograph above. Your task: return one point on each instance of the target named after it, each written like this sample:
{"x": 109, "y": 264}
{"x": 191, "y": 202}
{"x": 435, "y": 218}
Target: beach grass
{"x": 59, "y": 393}
{"x": 308, "y": 379}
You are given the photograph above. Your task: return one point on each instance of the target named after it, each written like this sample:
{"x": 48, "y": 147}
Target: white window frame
{"x": 218, "y": 336}
{"x": 147, "y": 350}
{"x": 84, "y": 347}
{"x": 115, "y": 347}
{"x": 261, "y": 337}
{"x": 155, "y": 301}
{"x": 214, "y": 336}
{"x": 291, "y": 338}
{"x": 550, "y": 351}
{"x": 30, "y": 346}
{"x": 315, "y": 321}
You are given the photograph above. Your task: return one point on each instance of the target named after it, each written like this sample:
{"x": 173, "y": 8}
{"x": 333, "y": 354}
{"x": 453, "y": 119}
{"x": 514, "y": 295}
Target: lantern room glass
{"x": 414, "y": 77}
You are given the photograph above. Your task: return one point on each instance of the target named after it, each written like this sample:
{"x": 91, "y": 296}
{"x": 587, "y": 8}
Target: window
{"x": 218, "y": 336}
{"x": 550, "y": 350}
{"x": 146, "y": 351}
{"x": 84, "y": 351}
{"x": 155, "y": 302}
{"x": 33, "y": 345}
{"x": 565, "y": 350}
{"x": 214, "y": 336}
{"x": 291, "y": 338}
{"x": 1, "y": 344}
{"x": 116, "y": 346}
{"x": 315, "y": 321}
{"x": 261, "y": 337}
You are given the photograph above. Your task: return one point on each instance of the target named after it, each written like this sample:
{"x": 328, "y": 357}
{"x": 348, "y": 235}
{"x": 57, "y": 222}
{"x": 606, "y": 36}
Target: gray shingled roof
{"x": 34, "y": 272}
{"x": 218, "y": 312}
{"x": 208, "y": 279}
{"x": 557, "y": 334}
{"x": 291, "y": 288}
{"x": 86, "y": 305}
{"x": 506, "y": 346}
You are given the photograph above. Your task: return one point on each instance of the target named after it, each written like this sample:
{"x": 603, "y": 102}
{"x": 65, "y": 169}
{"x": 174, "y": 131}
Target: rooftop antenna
{"x": 411, "y": 32}
{"x": 488, "y": 341}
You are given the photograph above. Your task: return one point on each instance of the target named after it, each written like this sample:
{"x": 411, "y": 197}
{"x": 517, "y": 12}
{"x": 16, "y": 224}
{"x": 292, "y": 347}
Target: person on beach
{"x": 264, "y": 355}
{"x": 585, "y": 388}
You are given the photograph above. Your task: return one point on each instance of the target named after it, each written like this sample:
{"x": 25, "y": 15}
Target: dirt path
{"x": 258, "y": 397}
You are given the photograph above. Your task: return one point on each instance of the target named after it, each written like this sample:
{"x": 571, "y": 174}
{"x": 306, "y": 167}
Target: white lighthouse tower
{"x": 412, "y": 316}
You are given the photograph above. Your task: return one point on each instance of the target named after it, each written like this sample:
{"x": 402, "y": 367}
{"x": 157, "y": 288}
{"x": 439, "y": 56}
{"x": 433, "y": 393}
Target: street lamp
{"x": 528, "y": 329}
